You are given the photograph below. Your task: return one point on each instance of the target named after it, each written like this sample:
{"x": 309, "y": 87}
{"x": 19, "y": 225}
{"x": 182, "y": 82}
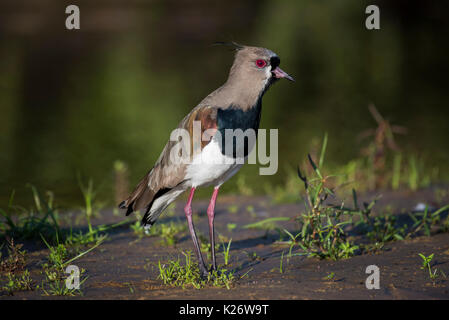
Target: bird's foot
{"x": 203, "y": 272}
{"x": 213, "y": 269}
{"x": 214, "y": 272}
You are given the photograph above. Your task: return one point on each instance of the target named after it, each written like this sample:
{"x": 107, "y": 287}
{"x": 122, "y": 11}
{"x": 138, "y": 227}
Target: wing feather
{"x": 166, "y": 174}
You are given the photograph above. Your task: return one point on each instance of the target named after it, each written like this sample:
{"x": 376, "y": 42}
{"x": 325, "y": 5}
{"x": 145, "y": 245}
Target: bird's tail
{"x": 140, "y": 198}
{"x": 152, "y": 201}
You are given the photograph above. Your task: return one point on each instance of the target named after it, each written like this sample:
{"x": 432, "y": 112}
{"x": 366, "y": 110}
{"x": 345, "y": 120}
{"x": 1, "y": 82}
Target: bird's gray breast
{"x": 238, "y": 129}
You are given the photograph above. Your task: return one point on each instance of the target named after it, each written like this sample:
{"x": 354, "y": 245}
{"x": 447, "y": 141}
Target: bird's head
{"x": 257, "y": 67}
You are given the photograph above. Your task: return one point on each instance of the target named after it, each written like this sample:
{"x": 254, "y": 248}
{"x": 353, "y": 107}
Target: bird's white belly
{"x": 211, "y": 167}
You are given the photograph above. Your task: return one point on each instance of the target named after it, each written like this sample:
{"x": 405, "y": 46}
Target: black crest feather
{"x": 232, "y": 44}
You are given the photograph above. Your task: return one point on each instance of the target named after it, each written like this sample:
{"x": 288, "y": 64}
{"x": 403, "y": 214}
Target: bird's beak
{"x": 279, "y": 73}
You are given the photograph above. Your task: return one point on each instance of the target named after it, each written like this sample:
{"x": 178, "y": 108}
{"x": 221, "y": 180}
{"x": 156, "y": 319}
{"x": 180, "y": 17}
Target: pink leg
{"x": 210, "y": 215}
{"x": 188, "y": 212}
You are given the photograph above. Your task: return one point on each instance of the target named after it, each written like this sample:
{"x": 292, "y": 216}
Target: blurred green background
{"x": 76, "y": 101}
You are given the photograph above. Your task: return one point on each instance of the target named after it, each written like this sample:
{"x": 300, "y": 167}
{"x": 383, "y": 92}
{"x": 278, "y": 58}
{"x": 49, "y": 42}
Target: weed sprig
{"x": 175, "y": 274}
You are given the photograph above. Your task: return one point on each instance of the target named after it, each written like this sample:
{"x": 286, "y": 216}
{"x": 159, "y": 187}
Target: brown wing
{"x": 166, "y": 175}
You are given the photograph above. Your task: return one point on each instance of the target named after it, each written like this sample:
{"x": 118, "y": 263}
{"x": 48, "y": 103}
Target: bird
{"x": 237, "y": 104}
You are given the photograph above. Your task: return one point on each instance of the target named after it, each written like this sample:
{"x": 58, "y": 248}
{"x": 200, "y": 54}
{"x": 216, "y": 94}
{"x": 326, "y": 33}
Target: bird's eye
{"x": 261, "y": 63}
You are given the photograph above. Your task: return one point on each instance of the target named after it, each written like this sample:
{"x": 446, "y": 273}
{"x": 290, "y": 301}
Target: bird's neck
{"x": 245, "y": 97}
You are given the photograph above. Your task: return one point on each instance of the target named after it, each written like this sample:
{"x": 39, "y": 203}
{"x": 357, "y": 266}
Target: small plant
{"x": 79, "y": 239}
{"x": 137, "y": 226}
{"x": 292, "y": 242}
{"x": 330, "y": 277}
{"x": 425, "y": 220}
{"x": 21, "y": 282}
{"x": 177, "y": 275}
{"x": 322, "y": 226}
{"x": 28, "y": 224}
{"x": 347, "y": 250}
{"x": 226, "y": 252}
{"x": 57, "y": 255}
{"x": 167, "y": 231}
{"x": 130, "y": 287}
{"x": 43, "y": 220}
{"x": 60, "y": 256}
{"x": 426, "y": 261}
{"x": 16, "y": 258}
{"x": 222, "y": 278}
{"x": 54, "y": 271}
{"x": 281, "y": 264}
{"x": 384, "y": 229}
{"x": 56, "y": 285}
{"x": 96, "y": 236}
{"x": 253, "y": 256}
{"x": 91, "y": 208}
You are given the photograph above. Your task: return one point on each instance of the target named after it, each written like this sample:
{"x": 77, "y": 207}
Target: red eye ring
{"x": 260, "y": 63}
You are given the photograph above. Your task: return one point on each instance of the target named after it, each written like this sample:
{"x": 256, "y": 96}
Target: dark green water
{"x": 76, "y": 101}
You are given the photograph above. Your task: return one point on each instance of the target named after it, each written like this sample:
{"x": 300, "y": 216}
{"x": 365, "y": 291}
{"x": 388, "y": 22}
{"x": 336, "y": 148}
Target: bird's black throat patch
{"x": 235, "y": 118}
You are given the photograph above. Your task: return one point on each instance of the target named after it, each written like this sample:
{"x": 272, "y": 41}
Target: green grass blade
{"x": 261, "y": 223}
{"x": 314, "y": 166}
{"x": 323, "y": 151}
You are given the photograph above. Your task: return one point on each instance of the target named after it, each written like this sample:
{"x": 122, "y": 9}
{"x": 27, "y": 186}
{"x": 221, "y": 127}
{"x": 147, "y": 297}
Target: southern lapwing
{"x": 235, "y": 105}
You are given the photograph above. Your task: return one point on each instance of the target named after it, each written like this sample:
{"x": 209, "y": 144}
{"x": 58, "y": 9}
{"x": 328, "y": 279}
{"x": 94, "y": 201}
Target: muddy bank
{"x": 125, "y": 267}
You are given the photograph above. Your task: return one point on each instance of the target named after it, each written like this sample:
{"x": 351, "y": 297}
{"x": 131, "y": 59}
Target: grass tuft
{"x": 176, "y": 274}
